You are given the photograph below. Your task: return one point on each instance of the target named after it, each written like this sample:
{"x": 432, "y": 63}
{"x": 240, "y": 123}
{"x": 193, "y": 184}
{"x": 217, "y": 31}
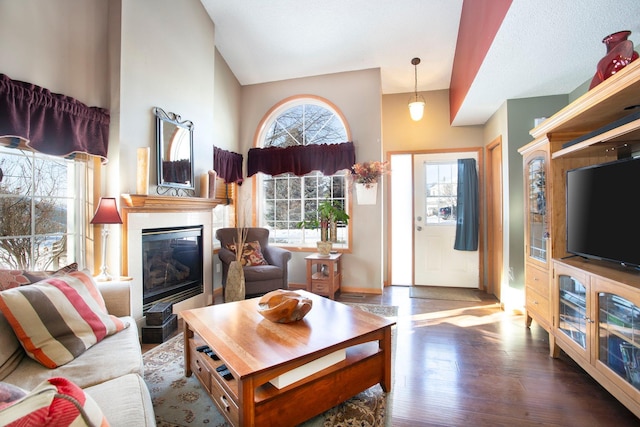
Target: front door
{"x": 436, "y": 263}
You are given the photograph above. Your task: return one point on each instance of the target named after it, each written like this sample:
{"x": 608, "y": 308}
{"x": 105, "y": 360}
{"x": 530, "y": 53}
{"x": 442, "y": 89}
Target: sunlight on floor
{"x": 463, "y": 317}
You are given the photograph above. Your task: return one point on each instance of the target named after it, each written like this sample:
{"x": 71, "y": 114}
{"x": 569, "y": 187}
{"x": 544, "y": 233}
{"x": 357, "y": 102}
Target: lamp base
{"x": 103, "y": 277}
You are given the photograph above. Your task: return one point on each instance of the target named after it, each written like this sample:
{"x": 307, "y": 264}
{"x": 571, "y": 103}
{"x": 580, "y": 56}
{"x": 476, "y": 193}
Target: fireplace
{"x": 172, "y": 260}
{"x": 141, "y": 213}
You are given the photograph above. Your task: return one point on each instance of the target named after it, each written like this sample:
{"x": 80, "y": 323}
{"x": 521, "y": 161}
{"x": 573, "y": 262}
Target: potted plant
{"x": 365, "y": 176}
{"x": 330, "y": 213}
{"x": 334, "y": 214}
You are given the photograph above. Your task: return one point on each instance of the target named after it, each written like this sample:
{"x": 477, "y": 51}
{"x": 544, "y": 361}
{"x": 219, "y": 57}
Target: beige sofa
{"x": 110, "y": 371}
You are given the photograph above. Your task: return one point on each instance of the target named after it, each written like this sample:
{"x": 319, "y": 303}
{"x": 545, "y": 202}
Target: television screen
{"x": 603, "y": 212}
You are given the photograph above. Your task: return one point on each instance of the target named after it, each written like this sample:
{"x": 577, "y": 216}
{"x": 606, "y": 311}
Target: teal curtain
{"x": 467, "y": 220}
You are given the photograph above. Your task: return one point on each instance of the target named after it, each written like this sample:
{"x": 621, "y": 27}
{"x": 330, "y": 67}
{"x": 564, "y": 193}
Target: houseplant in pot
{"x": 334, "y": 214}
{"x": 330, "y": 213}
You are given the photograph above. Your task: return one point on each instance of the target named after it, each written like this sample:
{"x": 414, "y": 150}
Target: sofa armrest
{"x": 117, "y": 297}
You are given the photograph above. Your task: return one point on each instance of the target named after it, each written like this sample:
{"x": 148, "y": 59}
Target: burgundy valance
{"x": 300, "y": 160}
{"x": 51, "y": 123}
{"x": 228, "y": 165}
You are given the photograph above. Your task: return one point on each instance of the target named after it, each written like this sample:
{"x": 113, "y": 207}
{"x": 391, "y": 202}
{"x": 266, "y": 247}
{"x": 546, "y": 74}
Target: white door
{"x": 436, "y": 263}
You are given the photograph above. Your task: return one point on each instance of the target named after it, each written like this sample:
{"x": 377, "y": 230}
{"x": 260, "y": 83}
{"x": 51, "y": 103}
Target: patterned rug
{"x": 180, "y": 401}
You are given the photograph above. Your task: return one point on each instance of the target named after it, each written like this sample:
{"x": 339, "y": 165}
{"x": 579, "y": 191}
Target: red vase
{"x": 619, "y": 54}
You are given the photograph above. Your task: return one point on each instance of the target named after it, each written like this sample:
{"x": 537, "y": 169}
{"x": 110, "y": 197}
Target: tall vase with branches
{"x": 235, "y": 286}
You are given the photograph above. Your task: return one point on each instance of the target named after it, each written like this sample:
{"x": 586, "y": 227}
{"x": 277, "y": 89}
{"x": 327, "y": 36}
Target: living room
{"x": 114, "y": 57}
{"x": 132, "y": 56}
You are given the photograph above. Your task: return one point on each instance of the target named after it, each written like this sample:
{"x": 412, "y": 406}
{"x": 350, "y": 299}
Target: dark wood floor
{"x": 470, "y": 364}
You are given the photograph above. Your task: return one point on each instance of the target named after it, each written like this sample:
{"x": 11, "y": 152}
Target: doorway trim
{"x": 480, "y": 156}
{"x": 494, "y": 248}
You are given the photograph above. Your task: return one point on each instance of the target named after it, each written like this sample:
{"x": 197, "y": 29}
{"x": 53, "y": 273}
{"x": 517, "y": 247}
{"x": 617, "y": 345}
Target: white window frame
{"x": 75, "y": 201}
{"x": 305, "y": 238}
{"x": 445, "y": 193}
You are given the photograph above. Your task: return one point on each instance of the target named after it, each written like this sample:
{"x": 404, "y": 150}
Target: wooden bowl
{"x": 282, "y": 306}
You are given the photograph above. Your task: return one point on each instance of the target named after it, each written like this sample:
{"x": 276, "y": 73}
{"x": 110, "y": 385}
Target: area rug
{"x": 443, "y": 293}
{"x": 380, "y": 310}
{"x": 181, "y": 401}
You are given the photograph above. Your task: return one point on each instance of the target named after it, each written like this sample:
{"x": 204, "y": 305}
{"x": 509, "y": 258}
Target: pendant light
{"x": 416, "y": 103}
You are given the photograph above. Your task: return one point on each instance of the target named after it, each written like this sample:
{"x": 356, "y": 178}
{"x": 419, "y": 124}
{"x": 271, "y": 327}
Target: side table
{"x": 324, "y": 281}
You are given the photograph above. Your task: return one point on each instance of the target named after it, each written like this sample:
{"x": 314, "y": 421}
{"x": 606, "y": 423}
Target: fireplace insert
{"x": 171, "y": 264}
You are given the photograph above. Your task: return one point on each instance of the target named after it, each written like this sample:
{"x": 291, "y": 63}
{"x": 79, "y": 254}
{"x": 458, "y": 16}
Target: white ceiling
{"x": 544, "y": 47}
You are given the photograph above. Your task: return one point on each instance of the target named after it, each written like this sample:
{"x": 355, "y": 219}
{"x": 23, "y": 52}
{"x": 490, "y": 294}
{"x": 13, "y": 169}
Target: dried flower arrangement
{"x": 367, "y": 173}
{"x": 239, "y": 241}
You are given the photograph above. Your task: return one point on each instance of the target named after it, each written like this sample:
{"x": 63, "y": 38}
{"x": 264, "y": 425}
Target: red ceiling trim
{"x": 479, "y": 23}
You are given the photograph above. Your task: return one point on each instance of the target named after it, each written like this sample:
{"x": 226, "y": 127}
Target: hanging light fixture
{"x": 416, "y": 103}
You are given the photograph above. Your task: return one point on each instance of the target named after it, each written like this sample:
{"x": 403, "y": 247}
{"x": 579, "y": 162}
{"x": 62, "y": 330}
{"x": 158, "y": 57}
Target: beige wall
{"x": 400, "y": 133}
{"x": 61, "y": 46}
{"x": 433, "y": 132}
{"x": 167, "y": 59}
{"x": 357, "y": 95}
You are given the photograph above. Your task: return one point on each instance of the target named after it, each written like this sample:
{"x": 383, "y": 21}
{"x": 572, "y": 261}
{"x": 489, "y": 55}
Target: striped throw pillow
{"x": 58, "y": 318}
{"x": 55, "y": 402}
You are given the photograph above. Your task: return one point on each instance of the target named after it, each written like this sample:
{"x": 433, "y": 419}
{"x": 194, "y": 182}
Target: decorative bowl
{"x": 282, "y": 306}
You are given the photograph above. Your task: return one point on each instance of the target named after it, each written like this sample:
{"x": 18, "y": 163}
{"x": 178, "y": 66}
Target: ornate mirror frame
{"x": 174, "y": 147}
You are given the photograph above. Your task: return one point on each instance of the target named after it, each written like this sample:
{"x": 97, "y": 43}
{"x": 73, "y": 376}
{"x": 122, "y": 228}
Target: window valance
{"x": 300, "y": 160}
{"x": 228, "y": 165}
{"x": 51, "y": 123}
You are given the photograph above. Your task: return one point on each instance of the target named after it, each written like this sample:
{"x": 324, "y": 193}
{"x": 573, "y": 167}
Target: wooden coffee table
{"x": 256, "y": 350}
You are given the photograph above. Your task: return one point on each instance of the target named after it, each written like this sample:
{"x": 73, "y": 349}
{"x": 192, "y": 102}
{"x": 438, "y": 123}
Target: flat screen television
{"x": 603, "y": 212}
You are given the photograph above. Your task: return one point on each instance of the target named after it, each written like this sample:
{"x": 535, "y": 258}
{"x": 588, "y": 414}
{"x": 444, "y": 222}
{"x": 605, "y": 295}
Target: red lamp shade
{"x": 107, "y": 212}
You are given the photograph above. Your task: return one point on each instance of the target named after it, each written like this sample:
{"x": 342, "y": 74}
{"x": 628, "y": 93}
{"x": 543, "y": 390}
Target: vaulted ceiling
{"x": 542, "y": 47}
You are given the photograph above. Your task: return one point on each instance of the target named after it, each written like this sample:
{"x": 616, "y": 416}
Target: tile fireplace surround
{"x": 143, "y": 212}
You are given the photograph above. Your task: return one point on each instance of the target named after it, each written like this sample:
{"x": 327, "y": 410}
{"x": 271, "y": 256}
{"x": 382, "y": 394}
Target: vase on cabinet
{"x": 619, "y": 54}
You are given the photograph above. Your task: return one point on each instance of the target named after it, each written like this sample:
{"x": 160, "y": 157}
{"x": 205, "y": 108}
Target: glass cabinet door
{"x": 619, "y": 336}
{"x": 536, "y": 188}
{"x": 572, "y": 319}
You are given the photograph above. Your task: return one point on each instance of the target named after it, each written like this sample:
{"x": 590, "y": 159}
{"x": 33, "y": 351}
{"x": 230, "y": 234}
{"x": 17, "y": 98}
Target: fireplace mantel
{"x": 167, "y": 203}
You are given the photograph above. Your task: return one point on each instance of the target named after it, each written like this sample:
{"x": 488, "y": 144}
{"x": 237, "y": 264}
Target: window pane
{"x": 442, "y": 187}
{"x": 17, "y": 174}
{"x": 38, "y": 201}
{"x": 50, "y": 178}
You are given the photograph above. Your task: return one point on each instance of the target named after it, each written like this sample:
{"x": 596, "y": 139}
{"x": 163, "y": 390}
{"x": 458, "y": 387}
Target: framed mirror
{"x": 174, "y": 147}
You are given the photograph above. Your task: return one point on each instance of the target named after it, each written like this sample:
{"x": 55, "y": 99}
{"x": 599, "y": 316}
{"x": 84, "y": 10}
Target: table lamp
{"x": 106, "y": 213}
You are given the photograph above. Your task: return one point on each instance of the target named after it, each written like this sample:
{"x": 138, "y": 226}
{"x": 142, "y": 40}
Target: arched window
{"x": 286, "y": 202}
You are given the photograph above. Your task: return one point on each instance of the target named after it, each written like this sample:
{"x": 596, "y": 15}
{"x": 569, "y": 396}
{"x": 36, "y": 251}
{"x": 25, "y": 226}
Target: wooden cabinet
{"x": 597, "y": 312}
{"x": 574, "y": 327}
{"x": 536, "y": 233}
{"x": 590, "y": 308}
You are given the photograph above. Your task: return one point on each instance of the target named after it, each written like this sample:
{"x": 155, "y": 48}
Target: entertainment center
{"x": 586, "y": 294}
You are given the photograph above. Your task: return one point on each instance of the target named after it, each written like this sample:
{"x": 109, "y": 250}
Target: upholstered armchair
{"x": 259, "y": 279}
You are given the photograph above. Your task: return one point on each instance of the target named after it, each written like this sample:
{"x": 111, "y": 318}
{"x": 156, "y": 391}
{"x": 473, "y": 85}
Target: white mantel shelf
{"x": 167, "y": 203}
